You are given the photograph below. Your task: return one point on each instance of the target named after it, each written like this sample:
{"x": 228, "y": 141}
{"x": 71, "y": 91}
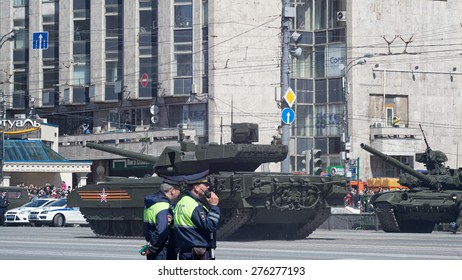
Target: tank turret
{"x": 190, "y": 158}
{"x": 259, "y": 205}
{"x": 424, "y": 178}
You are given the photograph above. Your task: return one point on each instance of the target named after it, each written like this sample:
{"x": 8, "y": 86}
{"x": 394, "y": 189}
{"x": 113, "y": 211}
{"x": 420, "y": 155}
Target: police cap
{"x": 188, "y": 179}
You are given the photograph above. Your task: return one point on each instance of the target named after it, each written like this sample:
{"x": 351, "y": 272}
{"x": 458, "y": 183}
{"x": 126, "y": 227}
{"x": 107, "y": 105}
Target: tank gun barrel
{"x": 400, "y": 165}
{"x": 124, "y": 153}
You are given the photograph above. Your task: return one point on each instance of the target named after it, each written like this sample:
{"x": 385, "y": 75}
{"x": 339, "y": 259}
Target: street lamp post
{"x": 7, "y": 37}
{"x": 346, "y": 119}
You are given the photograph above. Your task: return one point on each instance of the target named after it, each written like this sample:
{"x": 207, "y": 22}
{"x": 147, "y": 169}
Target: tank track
{"x": 311, "y": 226}
{"x": 92, "y": 225}
{"x": 387, "y": 217}
{"x": 236, "y": 221}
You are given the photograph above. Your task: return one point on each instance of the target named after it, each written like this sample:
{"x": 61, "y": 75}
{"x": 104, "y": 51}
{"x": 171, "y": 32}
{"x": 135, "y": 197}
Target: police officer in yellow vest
{"x": 195, "y": 223}
{"x": 158, "y": 221}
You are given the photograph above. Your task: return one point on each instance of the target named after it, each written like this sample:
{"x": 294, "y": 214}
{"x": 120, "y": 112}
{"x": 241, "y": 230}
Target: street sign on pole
{"x": 290, "y": 97}
{"x": 144, "y": 80}
{"x": 40, "y": 40}
{"x": 287, "y": 115}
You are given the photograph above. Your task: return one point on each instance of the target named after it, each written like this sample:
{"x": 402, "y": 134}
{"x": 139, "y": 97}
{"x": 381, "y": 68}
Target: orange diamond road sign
{"x": 290, "y": 97}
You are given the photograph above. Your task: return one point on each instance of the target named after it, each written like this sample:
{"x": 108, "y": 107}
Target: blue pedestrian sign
{"x": 40, "y": 40}
{"x": 287, "y": 115}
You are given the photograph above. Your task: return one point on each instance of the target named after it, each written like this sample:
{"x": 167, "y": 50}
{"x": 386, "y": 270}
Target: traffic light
{"x": 316, "y": 161}
{"x": 307, "y": 161}
{"x": 346, "y": 147}
{"x": 346, "y": 151}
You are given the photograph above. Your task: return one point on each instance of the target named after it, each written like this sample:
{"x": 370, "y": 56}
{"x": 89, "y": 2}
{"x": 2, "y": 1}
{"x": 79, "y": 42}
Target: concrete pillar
{"x": 98, "y": 48}
{"x": 6, "y": 179}
{"x": 35, "y": 56}
{"x": 82, "y": 179}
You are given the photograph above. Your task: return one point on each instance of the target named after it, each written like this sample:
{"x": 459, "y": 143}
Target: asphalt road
{"x": 79, "y": 243}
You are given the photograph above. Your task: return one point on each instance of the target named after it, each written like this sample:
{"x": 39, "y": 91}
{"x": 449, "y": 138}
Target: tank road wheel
{"x": 103, "y": 227}
{"x": 59, "y": 221}
{"x": 120, "y": 228}
{"x": 136, "y": 227}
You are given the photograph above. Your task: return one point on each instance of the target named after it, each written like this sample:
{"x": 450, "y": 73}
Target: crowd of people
{"x": 359, "y": 199}
{"x": 47, "y": 191}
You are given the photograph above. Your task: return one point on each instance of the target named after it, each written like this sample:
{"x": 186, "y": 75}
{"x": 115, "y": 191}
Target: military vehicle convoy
{"x": 261, "y": 205}
{"x": 433, "y": 197}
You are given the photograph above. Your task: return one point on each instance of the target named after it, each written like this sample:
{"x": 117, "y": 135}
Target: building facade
{"x": 148, "y": 64}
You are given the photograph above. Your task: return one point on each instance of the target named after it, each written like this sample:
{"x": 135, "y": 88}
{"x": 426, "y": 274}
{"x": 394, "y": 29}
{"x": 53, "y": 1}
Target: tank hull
{"x": 416, "y": 211}
{"x": 253, "y": 205}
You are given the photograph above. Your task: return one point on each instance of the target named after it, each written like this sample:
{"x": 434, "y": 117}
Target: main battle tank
{"x": 260, "y": 205}
{"x": 433, "y": 197}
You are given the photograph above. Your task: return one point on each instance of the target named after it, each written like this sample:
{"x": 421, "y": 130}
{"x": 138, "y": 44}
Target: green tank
{"x": 433, "y": 197}
{"x": 260, "y": 205}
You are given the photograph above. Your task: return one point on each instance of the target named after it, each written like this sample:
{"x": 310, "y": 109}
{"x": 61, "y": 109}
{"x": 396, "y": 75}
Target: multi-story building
{"x": 137, "y": 65}
{"x": 150, "y": 64}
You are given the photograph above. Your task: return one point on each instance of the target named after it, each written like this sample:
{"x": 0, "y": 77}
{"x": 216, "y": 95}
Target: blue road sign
{"x": 40, "y": 40}
{"x": 287, "y": 115}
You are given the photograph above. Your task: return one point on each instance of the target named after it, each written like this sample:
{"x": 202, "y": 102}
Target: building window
{"x": 183, "y": 65}
{"x": 148, "y": 66}
{"x": 110, "y": 93}
{"x": 19, "y": 97}
{"x": 320, "y": 61}
{"x": 148, "y": 47}
{"x": 113, "y": 71}
{"x": 114, "y": 45}
{"x": 182, "y": 86}
{"x": 146, "y": 4}
{"x": 48, "y": 97}
{"x": 321, "y": 120}
{"x": 113, "y": 26}
{"x": 183, "y": 37}
{"x": 334, "y": 7}
{"x": 302, "y": 65}
{"x": 21, "y": 40}
{"x": 304, "y": 120}
{"x": 20, "y": 3}
{"x": 81, "y": 9}
{"x": 304, "y": 15}
{"x": 320, "y": 14}
{"x": 80, "y": 95}
{"x": 334, "y": 119}
{"x": 183, "y": 15}
{"x": 205, "y": 12}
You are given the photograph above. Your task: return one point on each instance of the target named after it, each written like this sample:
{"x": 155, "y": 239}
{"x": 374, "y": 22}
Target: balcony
{"x": 151, "y": 142}
{"x": 396, "y": 140}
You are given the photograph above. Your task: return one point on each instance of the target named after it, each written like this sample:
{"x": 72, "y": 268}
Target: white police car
{"x": 57, "y": 214}
{"x": 19, "y": 216}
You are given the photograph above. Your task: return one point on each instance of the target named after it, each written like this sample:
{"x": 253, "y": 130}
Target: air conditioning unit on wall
{"x": 379, "y": 124}
{"x": 341, "y": 16}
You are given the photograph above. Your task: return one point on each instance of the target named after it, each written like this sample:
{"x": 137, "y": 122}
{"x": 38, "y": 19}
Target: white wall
{"x": 434, "y": 100}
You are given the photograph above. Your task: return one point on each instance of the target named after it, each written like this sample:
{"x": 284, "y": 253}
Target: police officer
{"x": 194, "y": 223}
{"x": 3, "y": 207}
{"x": 158, "y": 220}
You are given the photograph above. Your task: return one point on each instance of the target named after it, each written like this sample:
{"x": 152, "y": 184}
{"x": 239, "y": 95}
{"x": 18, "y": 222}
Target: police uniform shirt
{"x": 194, "y": 223}
{"x": 157, "y": 219}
